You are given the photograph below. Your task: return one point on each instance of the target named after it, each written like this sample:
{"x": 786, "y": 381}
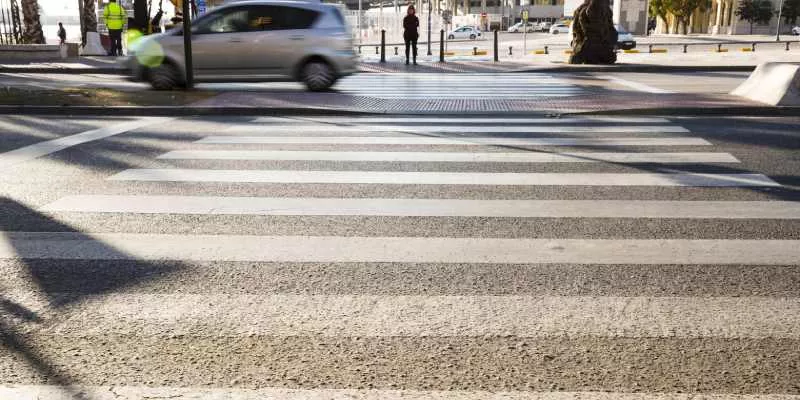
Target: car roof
{"x": 314, "y": 5}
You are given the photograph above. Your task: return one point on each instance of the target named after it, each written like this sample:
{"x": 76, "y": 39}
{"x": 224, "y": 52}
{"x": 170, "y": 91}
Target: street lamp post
{"x": 778, "y": 33}
{"x": 430, "y": 2}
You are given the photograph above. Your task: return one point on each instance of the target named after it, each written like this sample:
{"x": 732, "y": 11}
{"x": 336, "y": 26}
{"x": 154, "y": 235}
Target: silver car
{"x": 252, "y": 41}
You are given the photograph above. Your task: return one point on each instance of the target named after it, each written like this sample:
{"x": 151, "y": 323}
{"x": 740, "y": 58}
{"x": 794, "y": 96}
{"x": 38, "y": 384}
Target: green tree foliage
{"x": 683, "y": 10}
{"x": 791, "y": 11}
{"x": 659, "y": 8}
{"x": 755, "y": 12}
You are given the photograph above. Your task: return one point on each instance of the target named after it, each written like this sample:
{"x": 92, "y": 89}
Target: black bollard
{"x": 496, "y": 47}
{"x": 546, "y": 49}
{"x": 383, "y": 45}
{"x": 395, "y": 50}
{"x": 441, "y": 45}
{"x": 510, "y": 52}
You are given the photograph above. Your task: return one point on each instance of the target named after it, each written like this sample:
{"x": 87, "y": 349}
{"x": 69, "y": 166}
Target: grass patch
{"x": 99, "y": 97}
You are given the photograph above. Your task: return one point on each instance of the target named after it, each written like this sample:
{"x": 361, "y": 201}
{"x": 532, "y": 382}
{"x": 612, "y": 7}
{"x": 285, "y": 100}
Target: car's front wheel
{"x": 555, "y": 32}
{"x": 451, "y": 37}
{"x": 164, "y": 77}
{"x": 472, "y": 37}
{"x": 318, "y": 76}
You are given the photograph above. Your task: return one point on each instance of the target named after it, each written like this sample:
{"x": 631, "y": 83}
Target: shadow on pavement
{"x": 62, "y": 282}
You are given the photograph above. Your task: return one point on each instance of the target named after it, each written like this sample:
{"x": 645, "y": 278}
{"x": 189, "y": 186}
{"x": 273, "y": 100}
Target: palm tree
{"x": 33, "y": 27}
{"x": 89, "y": 17}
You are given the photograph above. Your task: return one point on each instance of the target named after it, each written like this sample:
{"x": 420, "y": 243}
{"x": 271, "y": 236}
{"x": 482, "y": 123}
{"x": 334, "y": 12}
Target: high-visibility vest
{"x": 115, "y": 16}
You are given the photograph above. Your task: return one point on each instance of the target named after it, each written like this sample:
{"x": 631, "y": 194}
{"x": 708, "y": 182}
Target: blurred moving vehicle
{"x": 544, "y": 26}
{"x": 519, "y": 27}
{"x": 559, "y": 28}
{"x": 796, "y": 30}
{"x": 625, "y": 40}
{"x": 464, "y": 32}
{"x": 254, "y": 40}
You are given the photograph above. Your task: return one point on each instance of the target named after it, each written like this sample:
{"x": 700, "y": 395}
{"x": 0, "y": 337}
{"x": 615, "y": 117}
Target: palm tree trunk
{"x": 90, "y": 15}
{"x": 33, "y": 27}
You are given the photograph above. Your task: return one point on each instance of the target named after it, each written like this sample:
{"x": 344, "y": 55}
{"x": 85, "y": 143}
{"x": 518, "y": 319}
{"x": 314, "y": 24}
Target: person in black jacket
{"x": 411, "y": 32}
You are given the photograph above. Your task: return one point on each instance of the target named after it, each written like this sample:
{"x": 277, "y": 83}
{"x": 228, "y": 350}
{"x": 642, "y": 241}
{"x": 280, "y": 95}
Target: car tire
{"x": 318, "y": 75}
{"x": 472, "y": 37}
{"x": 555, "y": 32}
{"x": 164, "y": 77}
{"x": 451, "y": 37}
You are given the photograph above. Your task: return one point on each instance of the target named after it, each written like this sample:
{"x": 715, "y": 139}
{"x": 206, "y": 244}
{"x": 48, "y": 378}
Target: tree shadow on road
{"x": 62, "y": 279}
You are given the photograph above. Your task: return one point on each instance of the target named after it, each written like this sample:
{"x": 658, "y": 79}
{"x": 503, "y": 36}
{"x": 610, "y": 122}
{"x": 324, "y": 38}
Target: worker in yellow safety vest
{"x": 115, "y": 17}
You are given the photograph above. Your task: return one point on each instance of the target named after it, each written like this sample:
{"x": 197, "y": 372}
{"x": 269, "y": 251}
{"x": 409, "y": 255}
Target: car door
{"x": 287, "y": 36}
{"x": 220, "y": 43}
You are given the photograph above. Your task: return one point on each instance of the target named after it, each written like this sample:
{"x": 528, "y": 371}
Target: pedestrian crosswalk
{"x": 488, "y": 311}
{"x": 434, "y": 86}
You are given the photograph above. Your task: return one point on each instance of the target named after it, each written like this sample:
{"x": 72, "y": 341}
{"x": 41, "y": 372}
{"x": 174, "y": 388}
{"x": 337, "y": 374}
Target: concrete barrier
{"x": 777, "y": 84}
{"x": 31, "y": 52}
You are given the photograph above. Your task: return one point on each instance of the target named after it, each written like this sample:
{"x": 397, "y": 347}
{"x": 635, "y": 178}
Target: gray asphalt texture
{"x": 30, "y": 354}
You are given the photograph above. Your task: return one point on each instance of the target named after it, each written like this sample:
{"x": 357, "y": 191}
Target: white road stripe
{"x": 392, "y": 156}
{"x": 458, "y": 129}
{"x": 428, "y": 207}
{"x": 37, "y": 150}
{"x": 70, "y": 245}
{"x": 38, "y": 392}
{"x": 635, "y": 85}
{"x": 444, "y": 178}
{"x": 414, "y": 316}
{"x": 450, "y": 141}
{"x": 464, "y": 120}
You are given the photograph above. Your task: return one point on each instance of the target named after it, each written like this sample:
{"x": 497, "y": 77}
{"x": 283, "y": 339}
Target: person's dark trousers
{"x": 411, "y": 44}
{"x": 116, "y": 41}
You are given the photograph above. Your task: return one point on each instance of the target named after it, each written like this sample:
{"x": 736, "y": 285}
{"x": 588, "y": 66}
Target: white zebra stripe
{"x": 457, "y": 129}
{"x": 428, "y": 207}
{"x": 451, "y": 141}
{"x": 415, "y": 316}
{"x": 71, "y": 245}
{"x": 117, "y": 392}
{"x": 397, "y": 156}
{"x": 445, "y": 178}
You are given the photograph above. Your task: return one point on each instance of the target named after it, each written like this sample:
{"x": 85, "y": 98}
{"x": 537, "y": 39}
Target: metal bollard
{"x": 383, "y": 45}
{"x": 510, "y": 53}
{"x": 719, "y": 47}
{"x": 395, "y": 50}
{"x": 787, "y": 46}
{"x": 359, "y": 49}
{"x": 474, "y": 51}
{"x": 496, "y": 47}
{"x": 650, "y": 48}
{"x": 686, "y": 46}
{"x": 377, "y": 50}
{"x": 546, "y": 49}
{"x": 441, "y": 45}
{"x": 754, "y": 47}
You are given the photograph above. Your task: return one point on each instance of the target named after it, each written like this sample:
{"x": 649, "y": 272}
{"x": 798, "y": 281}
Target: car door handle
{"x": 235, "y": 41}
{"x": 297, "y": 37}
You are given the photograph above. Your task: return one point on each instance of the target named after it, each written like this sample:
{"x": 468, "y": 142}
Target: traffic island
{"x": 76, "y": 97}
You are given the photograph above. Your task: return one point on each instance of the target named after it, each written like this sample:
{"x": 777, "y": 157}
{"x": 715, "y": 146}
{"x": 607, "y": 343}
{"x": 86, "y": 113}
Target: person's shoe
{"x": 415, "y": 62}
{"x": 406, "y": 61}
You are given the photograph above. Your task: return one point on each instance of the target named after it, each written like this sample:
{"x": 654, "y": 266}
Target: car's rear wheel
{"x": 472, "y": 37}
{"x": 318, "y": 75}
{"x": 164, "y": 77}
{"x": 451, "y": 37}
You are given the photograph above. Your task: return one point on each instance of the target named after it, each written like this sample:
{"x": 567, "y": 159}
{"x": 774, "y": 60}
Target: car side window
{"x": 281, "y": 17}
{"x": 226, "y": 21}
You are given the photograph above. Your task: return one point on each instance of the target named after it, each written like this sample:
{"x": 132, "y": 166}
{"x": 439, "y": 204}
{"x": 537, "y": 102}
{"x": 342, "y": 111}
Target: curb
{"x": 737, "y": 111}
{"x": 638, "y": 68}
{"x": 177, "y": 111}
{"x": 57, "y": 70}
{"x": 543, "y": 68}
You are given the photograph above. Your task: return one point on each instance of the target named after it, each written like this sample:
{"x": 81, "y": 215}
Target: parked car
{"x": 544, "y": 26}
{"x": 559, "y": 28}
{"x": 625, "y": 40}
{"x": 464, "y": 32}
{"x": 518, "y": 27}
{"x": 256, "y": 40}
{"x": 796, "y": 30}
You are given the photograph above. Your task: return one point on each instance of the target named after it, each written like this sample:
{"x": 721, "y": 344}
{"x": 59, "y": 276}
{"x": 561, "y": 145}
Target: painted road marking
{"x": 428, "y": 207}
{"x": 71, "y": 245}
{"x": 391, "y": 156}
{"x": 459, "y": 141}
{"x": 445, "y": 178}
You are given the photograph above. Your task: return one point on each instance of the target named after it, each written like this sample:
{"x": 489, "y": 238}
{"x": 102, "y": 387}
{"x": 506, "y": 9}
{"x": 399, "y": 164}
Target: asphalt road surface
{"x": 443, "y": 257}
